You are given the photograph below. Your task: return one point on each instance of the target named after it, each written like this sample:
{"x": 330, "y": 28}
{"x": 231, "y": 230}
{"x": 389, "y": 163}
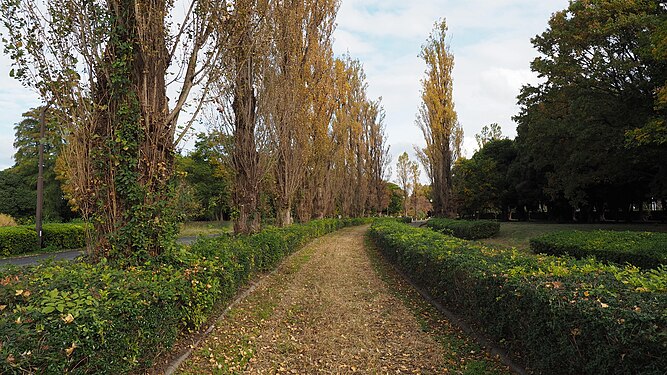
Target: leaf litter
{"x": 335, "y": 307}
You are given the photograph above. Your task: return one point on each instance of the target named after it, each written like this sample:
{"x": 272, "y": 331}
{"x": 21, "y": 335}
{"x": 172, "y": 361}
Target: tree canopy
{"x": 602, "y": 79}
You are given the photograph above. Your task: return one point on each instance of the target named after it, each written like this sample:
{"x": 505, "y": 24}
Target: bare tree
{"x": 488, "y": 133}
{"x": 244, "y": 39}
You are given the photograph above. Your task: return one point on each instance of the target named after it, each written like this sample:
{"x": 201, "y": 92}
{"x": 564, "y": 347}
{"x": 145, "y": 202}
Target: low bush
{"x": 23, "y": 239}
{"x": 64, "y": 236}
{"x": 642, "y": 249}
{"x": 558, "y": 315}
{"x": 82, "y": 318}
{"x": 404, "y": 219}
{"x": 468, "y": 230}
{"x": 17, "y": 240}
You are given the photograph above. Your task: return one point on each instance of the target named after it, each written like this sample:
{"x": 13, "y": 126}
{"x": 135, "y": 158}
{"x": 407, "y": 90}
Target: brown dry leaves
{"x": 324, "y": 311}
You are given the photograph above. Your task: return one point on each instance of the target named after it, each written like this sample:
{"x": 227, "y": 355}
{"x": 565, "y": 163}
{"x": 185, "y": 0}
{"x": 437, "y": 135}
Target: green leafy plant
{"x": 17, "y": 240}
{"x": 558, "y": 315}
{"x": 106, "y": 319}
{"x": 23, "y": 239}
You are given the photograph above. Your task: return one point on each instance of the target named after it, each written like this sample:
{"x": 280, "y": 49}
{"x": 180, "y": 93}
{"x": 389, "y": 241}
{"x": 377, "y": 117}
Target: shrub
{"x": 64, "y": 236}
{"x": 559, "y": 315}
{"x": 76, "y": 317}
{"x": 23, "y": 239}
{"x": 642, "y": 249}
{"x": 7, "y": 221}
{"x": 17, "y": 240}
{"x": 404, "y": 219}
{"x": 469, "y": 230}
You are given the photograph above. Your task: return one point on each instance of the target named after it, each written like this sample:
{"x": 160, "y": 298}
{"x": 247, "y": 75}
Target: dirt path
{"x": 328, "y": 310}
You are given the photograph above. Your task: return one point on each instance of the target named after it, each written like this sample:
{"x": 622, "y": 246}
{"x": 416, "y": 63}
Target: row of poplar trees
{"x": 128, "y": 79}
{"x": 300, "y": 118}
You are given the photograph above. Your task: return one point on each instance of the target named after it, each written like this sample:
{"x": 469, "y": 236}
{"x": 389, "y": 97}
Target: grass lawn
{"x": 204, "y": 228}
{"x": 518, "y": 234}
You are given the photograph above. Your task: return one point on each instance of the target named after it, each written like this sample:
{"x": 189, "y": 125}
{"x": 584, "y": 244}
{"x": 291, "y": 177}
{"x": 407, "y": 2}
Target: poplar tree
{"x": 437, "y": 118}
{"x": 403, "y": 172}
{"x": 240, "y": 103}
{"x": 300, "y": 30}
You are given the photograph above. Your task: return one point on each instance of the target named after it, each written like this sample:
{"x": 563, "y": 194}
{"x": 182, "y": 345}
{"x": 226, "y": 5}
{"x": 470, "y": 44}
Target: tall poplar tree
{"x": 301, "y": 29}
{"x": 437, "y": 118}
{"x": 240, "y": 101}
{"x": 403, "y": 172}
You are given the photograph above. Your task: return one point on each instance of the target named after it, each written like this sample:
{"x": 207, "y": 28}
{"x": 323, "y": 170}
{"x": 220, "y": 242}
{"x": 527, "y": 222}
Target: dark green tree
{"x": 17, "y": 197}
{"x": 396, "y": 199}
{"x": 601, "y": 79}
{"x": 483, "y": 183}
{"x": 207, "y": 178}
{"x": 26, "y": 142}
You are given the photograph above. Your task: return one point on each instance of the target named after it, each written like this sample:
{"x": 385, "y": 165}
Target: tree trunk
{"x": 245, "y": 157}
{"x": 133, "y": 155}
{"x": 248, "y": 220}
{"x": 284, "y": 214}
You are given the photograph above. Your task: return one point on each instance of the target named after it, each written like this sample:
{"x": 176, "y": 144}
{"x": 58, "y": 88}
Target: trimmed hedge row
{"x": 82, "y": 318}
{"x": 642, "y": 249}
{"x": 557, "y": 315}
{"x": 23, "y": 239}
{"x": 17, "y": 240}
{"x": 468, "y": 230}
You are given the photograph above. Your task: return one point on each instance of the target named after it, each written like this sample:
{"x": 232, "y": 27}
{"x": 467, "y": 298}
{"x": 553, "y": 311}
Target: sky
{"x": 490, "y": 40}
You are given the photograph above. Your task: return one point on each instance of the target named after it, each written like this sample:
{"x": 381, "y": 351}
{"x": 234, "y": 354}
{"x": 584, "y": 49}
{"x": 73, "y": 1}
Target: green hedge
{"x": 17, "y": 240}
{"x": 23, "y": 239}
{"x": 82, "y": 318}
{"x": 557, "y": 315}
{"x": 642, "y": 249}
{"x": 64, "y": 236}
{"x": 468, "y": 230}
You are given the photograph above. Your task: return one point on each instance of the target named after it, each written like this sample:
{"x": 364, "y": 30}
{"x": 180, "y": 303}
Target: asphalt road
{"x": 34, "y": 259}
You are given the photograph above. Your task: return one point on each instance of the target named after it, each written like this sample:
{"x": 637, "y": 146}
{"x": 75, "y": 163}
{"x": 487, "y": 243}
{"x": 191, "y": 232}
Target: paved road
{"x": 66, "y": 255}
{"x": 34, "y": 259}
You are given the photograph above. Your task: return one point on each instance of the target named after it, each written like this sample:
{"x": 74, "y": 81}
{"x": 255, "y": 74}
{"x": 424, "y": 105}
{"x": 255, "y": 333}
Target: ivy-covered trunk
{"x": 132, "y": 159}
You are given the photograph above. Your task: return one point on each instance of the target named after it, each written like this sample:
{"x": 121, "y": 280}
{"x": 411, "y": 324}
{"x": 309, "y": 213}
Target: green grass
{"x": 205, "y": 228}
{"x": 518, "y": 235}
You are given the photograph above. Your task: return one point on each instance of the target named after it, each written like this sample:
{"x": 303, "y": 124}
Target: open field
{"x": 204, "y": 228}
{"x": 518, "y": 234}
